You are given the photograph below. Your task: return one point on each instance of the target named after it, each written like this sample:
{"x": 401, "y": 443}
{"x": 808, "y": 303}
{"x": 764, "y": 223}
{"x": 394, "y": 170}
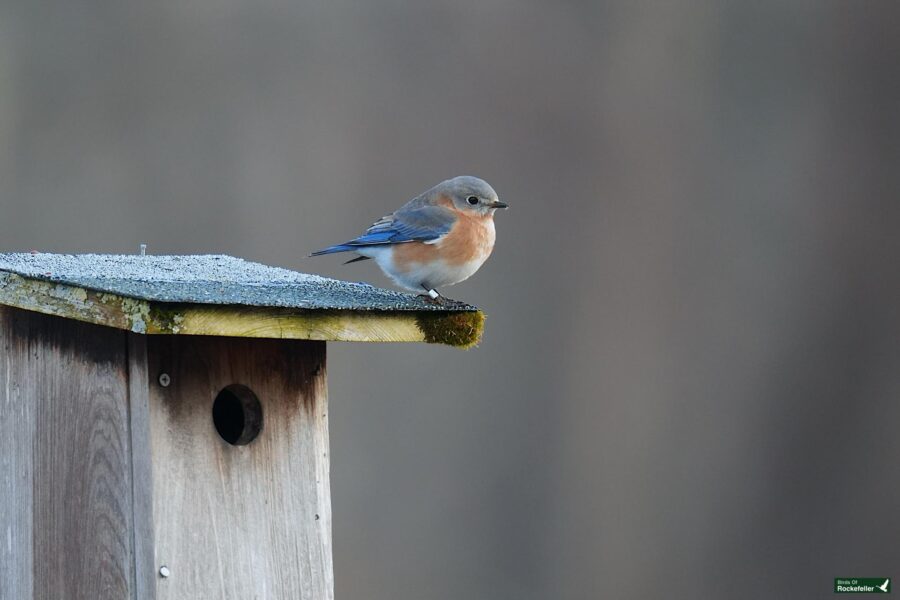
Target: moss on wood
{"x": 460, "y": 329}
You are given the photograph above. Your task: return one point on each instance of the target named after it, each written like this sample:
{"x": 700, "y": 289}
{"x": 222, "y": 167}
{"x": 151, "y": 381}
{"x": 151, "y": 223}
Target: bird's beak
{"x": 498, "y": 204}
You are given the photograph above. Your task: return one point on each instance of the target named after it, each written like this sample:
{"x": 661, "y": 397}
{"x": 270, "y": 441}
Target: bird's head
{"x": 469, "y": 195}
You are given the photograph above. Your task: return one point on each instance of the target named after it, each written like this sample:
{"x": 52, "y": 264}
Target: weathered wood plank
{"x": 73, "y": 303}
{"x": 141, "y": 468}
{"x": 460, "y": 328}
{"x": 455, "y": 329}
{"x": 250, "y": 521}
{"x": 73, "y": 377}
{"x": 16, "y": 468}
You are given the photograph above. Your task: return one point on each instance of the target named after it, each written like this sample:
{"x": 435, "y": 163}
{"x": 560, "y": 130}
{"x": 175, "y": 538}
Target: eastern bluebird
{"x": 436, "y": 239}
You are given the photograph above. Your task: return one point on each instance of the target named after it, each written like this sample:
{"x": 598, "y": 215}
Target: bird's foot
{"x": 433, "y": 297}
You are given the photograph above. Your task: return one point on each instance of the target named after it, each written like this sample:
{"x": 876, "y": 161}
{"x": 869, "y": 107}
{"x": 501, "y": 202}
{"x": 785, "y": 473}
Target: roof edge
{"x": 460, "y": 328}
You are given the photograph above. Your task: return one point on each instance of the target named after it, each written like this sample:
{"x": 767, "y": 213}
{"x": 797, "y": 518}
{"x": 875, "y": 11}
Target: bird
{"x": 437, "y": 239}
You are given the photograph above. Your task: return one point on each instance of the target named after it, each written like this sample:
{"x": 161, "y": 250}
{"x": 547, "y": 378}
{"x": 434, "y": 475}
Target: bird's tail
{"x": 332, "y": 250}
{"x": 340, "y": 248}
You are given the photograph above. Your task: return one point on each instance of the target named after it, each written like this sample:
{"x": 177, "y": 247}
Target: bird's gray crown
{"x": 466, "y": 185}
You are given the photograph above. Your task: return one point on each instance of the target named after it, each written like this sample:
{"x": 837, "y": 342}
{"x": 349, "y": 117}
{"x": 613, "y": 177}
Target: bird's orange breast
{"x": 470, "y": 240}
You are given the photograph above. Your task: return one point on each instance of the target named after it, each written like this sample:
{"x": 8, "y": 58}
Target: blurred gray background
{"x": 689, "y": 384}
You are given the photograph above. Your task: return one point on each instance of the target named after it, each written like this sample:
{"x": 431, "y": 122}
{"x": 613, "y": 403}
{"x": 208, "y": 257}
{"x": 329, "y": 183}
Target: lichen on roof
{"x": 212, "y": 279}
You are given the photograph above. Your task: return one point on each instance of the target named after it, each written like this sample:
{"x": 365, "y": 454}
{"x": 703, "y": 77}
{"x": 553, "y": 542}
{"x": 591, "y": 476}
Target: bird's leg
{"x": 431, "y": 295}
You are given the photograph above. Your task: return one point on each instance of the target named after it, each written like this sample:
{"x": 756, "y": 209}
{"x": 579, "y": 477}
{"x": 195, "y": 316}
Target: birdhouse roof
{"x": 226, "y": 296}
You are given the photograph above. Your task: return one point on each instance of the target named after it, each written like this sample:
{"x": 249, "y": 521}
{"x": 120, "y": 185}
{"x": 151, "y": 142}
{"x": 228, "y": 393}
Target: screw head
{"x": 164, "y": 571}
{"x": 165, "y": 380}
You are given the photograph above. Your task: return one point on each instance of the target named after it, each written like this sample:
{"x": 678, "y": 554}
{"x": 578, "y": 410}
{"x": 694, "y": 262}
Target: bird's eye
{"x": 473, "y": 200}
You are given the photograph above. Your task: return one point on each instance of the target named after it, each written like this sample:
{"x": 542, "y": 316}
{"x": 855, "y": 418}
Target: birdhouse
{"x": 164, "y": 422}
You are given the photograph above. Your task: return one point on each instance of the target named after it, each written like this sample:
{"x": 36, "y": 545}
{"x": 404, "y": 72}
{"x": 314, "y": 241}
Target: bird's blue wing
{"x": 412, "y": 225}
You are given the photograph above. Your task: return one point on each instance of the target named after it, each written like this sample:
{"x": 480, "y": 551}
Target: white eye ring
{"x": 473, "y": 200}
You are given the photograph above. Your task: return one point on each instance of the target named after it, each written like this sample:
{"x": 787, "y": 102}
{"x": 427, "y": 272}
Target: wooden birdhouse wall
{"x": 240, "y": 521}
{"x": 107, "y": 475}
{"x": 65, "y": 460}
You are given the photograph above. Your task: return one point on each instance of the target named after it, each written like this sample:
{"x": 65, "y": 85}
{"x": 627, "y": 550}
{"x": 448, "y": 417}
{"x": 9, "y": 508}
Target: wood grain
{"x": 239, "y": 522}
{"x": 67, "y": 384}
{"x": 345, "y": 326}
{"x": 141, "y": 468}
{"x": 16, "y": 468}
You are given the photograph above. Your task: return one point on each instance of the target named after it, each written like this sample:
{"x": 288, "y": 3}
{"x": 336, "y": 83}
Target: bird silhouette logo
{"x": 884, "y": 587}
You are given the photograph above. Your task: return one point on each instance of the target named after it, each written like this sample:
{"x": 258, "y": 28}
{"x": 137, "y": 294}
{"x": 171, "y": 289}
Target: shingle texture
{"x": 211, "y": 279}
